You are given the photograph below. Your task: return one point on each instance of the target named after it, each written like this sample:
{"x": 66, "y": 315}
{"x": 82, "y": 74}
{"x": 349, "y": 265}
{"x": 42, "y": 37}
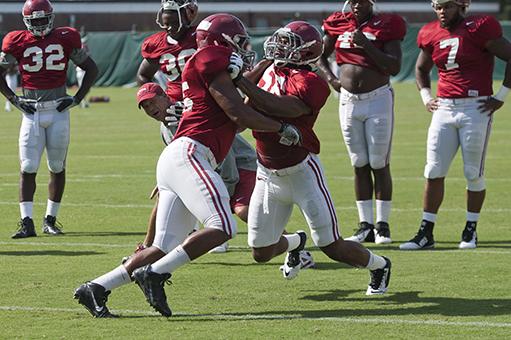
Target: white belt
{"x": 457, "y": 101}
{"x": 362, "y": 96}
{"x": 42, "y": 106}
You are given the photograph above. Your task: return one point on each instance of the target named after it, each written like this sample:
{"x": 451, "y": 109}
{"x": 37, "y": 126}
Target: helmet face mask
{"x": 462, "y": 3}
{"x": 298, "y": 43}
{"x": 38, "y": 17}
{"x": 186, "y": 11}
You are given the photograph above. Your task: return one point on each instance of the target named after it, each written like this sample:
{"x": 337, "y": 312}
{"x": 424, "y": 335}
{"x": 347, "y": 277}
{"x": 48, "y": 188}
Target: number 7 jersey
{"x": 465, "y": 67}
{"x": 43, "y": 61}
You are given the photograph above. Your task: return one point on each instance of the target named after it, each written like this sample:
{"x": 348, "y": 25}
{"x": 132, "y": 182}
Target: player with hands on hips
{"x": 463, "y": 48}
{"x": 291, "y": 173}
{"x": 42, "y": 53}
{"x": 367, "y": 48}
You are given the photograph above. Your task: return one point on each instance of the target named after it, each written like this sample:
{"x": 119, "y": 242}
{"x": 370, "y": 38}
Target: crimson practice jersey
{"x": 379, "y": 29}
{"x": 42, "y": 62}
{"x": 171, "y": 55}
{"x": 203, "y": 120}
{"x": 313, "y": 91}
{"x": 464, "y": 65}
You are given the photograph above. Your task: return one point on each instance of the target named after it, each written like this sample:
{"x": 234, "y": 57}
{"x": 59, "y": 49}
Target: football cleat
{"x": 307, "y": 260}
{"x": 26, "y": 228}
{"x": 469, "y": 236}
{"x": 292, "y": 263}
{"x": 94, "y": 297}
{"x": 423, "y": 239}
{"x": 380, "y": 279}
{"x": 152, "y": 284}
{"x": 382, "y": 233}
{"x": 363, "y": 234}
{"x": 220, "y": 249}
{"x": 51, "y": 226}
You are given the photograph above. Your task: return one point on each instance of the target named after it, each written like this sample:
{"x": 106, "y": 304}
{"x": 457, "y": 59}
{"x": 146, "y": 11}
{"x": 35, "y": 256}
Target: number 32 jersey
{"x": 171, "y": 55}
{"x": 464, "y": 65}
{"x": 43, "y": 61}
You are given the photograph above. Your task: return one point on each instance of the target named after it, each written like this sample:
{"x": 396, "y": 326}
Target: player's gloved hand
{"x": 235, "y": 67}
{"x": 65, "y": 103}
{"x": 175, "y": 112}
{"x": 24, "y": 104}
{"x": 289, "y": 135}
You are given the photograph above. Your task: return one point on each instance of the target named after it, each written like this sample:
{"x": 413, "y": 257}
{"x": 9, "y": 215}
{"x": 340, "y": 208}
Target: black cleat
{"x": 26, "y": 228}
{"x": 382, "y": 233}
{"x": 380, "y": 279}
{"x": 292, "y": 263}
{"x": 469, "y": 236}
{"x": 51, "y": 226}
{"x": 365, "y": 233}
{"x": 94, "y": 297}
{"x": 423, "y": 240}
{"x": 152, "y": 284}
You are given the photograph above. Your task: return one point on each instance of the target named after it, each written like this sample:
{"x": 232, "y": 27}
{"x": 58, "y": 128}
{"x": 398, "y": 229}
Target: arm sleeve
{"x": 212, "y": 61}
{"x": 397, "y": 28}
{"x": 488, "y": 28}
{"x": 311, "y": 89}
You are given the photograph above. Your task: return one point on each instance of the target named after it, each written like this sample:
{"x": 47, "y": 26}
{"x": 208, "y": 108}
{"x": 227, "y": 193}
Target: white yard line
{"x": 215, "y": 317}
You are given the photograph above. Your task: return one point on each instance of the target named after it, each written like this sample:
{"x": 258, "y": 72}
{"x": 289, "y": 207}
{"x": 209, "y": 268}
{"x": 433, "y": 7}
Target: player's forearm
{"x": 257, "y": 72}
{"x": 325, "y": 69}
{"x": 5, "y": 90}
{"x": 91, "y": 72}
{"x": 388, "y": 64}
{"x": 248, "y": 117}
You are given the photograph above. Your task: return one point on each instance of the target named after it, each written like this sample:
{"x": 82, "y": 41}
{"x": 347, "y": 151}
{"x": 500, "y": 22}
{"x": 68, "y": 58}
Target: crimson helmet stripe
{"x": 35, "y": 10}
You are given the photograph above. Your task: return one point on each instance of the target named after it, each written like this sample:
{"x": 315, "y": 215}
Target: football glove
{"x": 24, "y": 104}
{"x": 235, "y": 67}
{"x": 289, "y": 135}
{"x": 175, "y": 112}
{"x": 65, "y": 103}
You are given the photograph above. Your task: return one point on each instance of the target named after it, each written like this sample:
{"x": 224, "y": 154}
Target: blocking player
{"x": 189, "y": 188}
{"x": 43, "y": 53}
{"x": 292, "y": 174}
{"x": 463, "y": 49}
{"x": 367, "y": 49}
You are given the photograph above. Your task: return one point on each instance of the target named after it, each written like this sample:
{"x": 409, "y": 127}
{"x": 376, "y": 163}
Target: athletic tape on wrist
{"x": 503, "y": 92}
{"x": 426, "y": 95}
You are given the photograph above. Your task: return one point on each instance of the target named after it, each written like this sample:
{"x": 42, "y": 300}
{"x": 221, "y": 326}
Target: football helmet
{"x": 462, "y": 3}
{"x": 191, "y": 11}
{"x": 34, "y": 12}
{"x": 226, "y": 30}
{"x": 297, "y": 43}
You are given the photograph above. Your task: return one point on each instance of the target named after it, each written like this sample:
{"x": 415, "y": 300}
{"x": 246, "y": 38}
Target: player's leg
{"x": 474, "y": 136}
{"x": 442, "y": 145}
{"x": 379, "y": 127}
{"x": 57, "y": 143}
{"x": 31, "y": 145}
{"x": 352, "y": 115}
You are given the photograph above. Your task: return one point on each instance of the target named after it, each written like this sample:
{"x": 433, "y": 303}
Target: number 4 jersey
{"x": 43, "y": 61}
{"x": 464, "y": 65}
{"x": 171, "y": 55}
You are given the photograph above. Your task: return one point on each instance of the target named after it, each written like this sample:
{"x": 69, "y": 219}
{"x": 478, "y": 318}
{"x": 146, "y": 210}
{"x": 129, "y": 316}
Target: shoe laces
{"x": 376, "y": 277}
{"x": 419, "y": 236}
{"x": 468, "y": 233}
{"x": 363, "y": 228}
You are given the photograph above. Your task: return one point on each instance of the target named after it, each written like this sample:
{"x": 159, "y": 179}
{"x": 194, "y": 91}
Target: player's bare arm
{"x": 329, "y": 47}
{"x": 257, "y": 72}
{"x": 146, "y": 71}
{"x": 501, "y": 48}
{"x": 423, "y": 67}
{"x": 388, "y": 60}
{"x": 91, "y": 72}
{"x": 227, "y": 97}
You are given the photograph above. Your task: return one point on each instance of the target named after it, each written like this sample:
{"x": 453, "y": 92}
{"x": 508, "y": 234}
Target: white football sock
{"x": 472, "y": 217}
{"x": 383, "y": 210}
{"x": 365, "y": 211}
{"x": 170, "y": 262}
{"x": 26, "y": 209}
{"x": 52, "y": 208}
{"x": 293, "y": 241}
{"x": 113, "y": 279}
{"x": 430, "y": 217}
{"x": 375, "y": 261}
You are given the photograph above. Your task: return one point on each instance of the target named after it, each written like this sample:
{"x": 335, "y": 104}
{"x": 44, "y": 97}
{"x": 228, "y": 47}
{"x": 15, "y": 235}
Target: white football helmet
{"x": 177, "y": 5}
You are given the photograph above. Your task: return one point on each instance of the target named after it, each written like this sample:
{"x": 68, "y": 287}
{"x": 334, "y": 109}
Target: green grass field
{"x": 445, "y": 293}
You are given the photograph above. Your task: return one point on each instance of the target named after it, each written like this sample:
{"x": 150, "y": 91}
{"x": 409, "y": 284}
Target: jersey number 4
{"x": 454, "y": 44}
{"x": 54, "y": 54}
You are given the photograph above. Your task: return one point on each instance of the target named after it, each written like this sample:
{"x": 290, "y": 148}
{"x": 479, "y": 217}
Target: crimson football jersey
{"x": 42, "y": 61}
{"x": 171, "y": 55}
{"x": 313, "y": 91}
{"x": 464, "y": 65}
{"x": 379, "y": 29}
{"x": 203, "y": 120}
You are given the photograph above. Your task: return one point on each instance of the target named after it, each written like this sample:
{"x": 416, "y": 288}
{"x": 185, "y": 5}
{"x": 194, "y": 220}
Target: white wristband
{"x": 426, "y": 95}
{"x": 503, "y": 92}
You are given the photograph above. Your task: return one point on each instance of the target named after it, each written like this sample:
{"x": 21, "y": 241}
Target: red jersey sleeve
{"x": 149, "y": 47}
{"x": 212, "y": 60}
{"x": 71, "y": 39}
{"x": 395, "y": 27}
{"x": 335, "y": 24}
{"x": 310, "y": 88}
{"x": 11, "y": 43}
{"x": 483, "y": 29}
{"x": 424, "y": 39}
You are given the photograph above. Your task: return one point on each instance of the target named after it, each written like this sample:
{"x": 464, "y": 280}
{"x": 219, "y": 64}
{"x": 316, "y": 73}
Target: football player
{"x": 290, "y": 173}
{"x": 189, "y": 188}
{"x": 43, "y": 54}
{"x": 367, "y": 49}
{"x": 463, "y": 48}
